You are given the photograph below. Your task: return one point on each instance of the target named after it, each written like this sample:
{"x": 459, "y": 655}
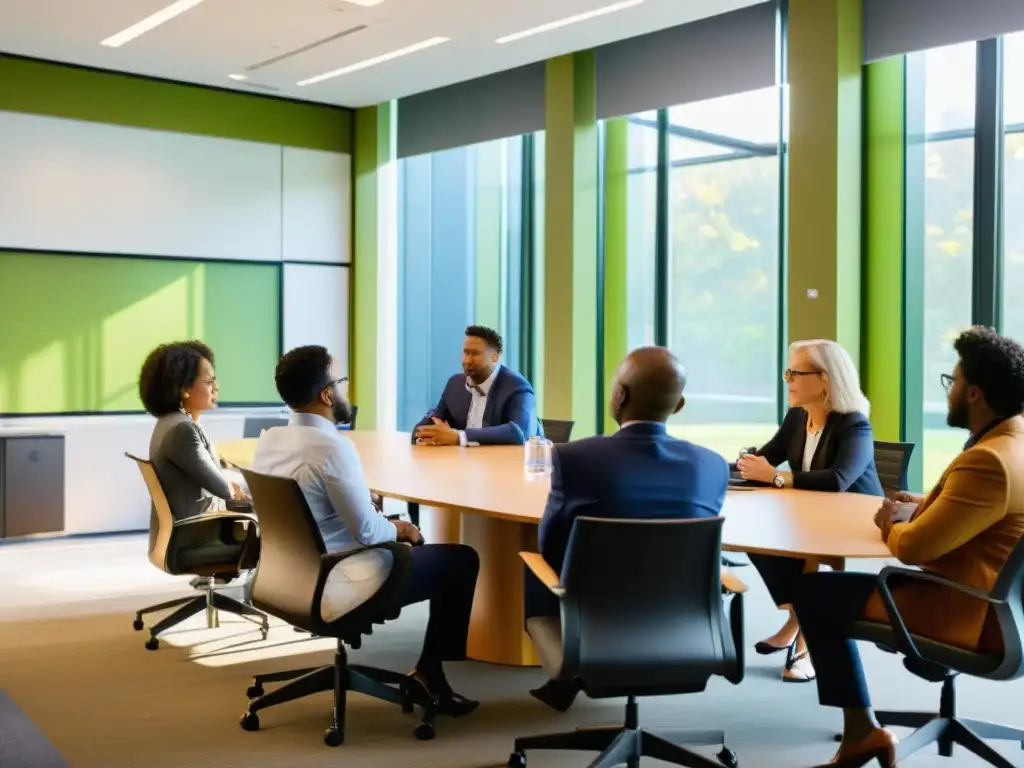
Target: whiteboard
{"x": 317, "y": 206}
{"x": 71, "y": 185}
{"x": 316, "y": 308}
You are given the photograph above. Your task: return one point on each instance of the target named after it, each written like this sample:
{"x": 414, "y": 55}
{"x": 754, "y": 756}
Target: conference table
{"x": 482, "y": 497}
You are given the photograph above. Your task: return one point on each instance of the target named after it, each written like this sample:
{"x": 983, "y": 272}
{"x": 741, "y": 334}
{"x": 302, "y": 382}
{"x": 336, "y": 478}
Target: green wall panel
{"x": 77, "y": 328}
{"x": 884, "y": 162}
{"x": 44, "y": 88}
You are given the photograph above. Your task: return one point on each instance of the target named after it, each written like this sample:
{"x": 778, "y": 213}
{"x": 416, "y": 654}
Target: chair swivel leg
{"x": 965, "y": 737}
{"x": 191, "y": 608}
{"x": 161, "y": 607}
{"x": 237, "y": 607}
{"x": 596, "y": 740}
{"x": 625, "y": 748}
{"x": 669, "y": 751}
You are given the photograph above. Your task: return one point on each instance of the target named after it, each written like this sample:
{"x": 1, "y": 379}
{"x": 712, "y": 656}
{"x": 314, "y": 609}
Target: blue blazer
{"x": 510, "y": 415}
{"x": 843, "y": 461}
{"x": 638, "y": 472}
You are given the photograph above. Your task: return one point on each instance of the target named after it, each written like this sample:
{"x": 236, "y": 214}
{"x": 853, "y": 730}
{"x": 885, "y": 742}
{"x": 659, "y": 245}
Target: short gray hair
{"x": 830, "y": 358}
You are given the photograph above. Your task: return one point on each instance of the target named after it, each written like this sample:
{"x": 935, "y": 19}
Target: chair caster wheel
{"x": 137, "y": 625}
{"x": 517, "y": 760}
{"x": 254, "y": 691}
{"x": 333, "y": 737}
{"x": 250, "y": 721}
{"x": 424, "y": 732}
{"x": 838, "y": 738}
{"x": 728, "y": 758}
{"x": 152, "y": 644}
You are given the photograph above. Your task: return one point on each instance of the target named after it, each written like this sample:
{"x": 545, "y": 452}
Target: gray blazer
{"x": 186, "y": 465}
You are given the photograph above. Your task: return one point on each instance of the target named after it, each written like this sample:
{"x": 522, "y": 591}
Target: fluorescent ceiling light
{"x": 570, "y": 20}
{"x": 239, "y": 77}
{"x": 375, "y": 60}
{"x": 150, "y": 22}
{"x": 365, "y": 3}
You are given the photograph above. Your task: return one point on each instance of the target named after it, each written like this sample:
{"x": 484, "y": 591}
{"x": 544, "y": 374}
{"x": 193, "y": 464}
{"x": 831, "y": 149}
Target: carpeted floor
{"x": 69, "y": 659}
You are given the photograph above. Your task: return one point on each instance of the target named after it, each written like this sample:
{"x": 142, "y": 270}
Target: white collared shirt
{"x": 477, "y": 403}
{"x": 324, "y": 462}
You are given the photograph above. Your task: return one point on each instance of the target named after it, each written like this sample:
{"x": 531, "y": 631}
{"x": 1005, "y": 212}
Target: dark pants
{"x": 827, "y": 604}
{"x": 780, "y": 574}
{"x": 444, "y": 574}
{"x": 538, "y": 599}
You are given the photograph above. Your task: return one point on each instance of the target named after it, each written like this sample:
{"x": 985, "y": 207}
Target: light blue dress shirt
{"x": 325, "y": 464}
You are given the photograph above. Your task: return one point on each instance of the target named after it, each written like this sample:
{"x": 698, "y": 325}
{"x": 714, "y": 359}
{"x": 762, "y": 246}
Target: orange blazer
{"x": 963, "y": 530}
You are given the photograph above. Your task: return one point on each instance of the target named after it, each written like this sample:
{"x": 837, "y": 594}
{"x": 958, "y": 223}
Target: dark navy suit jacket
{"x": 638, "y": 472}
{"x": 843, "y": 461}
{"x": 510, "y": 415}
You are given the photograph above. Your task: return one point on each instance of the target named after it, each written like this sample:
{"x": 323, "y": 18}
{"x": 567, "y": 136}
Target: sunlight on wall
{"x": 41, "y": 379}
{"x": 128, "y": 335}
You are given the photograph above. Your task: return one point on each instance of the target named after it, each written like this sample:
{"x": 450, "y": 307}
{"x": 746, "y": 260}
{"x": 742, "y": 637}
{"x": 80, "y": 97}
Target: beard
{"x": 341, "y": 410}
{"x": 956, "y": 415}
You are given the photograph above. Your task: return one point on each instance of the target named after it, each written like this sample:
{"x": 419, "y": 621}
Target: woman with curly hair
{"x": 177, "y": 384}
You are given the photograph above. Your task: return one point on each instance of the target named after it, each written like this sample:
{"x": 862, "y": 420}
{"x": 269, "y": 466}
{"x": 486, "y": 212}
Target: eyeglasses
{"x": 789, "y": 374}
{"x": 330, "y": 384}
{"x": 947, "y": 381}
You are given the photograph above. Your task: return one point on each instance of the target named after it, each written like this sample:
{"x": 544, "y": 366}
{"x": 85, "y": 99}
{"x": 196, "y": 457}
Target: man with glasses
{"x": 963, "y": 530}
{"x": 324, "y": 462}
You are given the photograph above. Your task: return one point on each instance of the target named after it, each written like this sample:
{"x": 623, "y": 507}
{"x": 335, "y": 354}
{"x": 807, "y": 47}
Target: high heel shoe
{"x": 879, "y": 745}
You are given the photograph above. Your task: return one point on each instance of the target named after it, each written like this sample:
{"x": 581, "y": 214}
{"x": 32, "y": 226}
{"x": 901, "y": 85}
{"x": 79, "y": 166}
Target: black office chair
{"x": 941, "y": 663}
{"x": 290, "y": 583}
{"x": 254, "y": 426}
{"x": 892, "y": 460}
{"x": 557, "y": 431}
{"x": 642, "y": 614}
{"x": 171, "y": 550}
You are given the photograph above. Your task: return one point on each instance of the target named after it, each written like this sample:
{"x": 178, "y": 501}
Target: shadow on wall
{"x": 77, "y": 328}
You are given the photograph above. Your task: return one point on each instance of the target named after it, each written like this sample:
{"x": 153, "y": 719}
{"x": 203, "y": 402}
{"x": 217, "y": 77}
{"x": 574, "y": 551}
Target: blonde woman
{"x": 826, "y": 440}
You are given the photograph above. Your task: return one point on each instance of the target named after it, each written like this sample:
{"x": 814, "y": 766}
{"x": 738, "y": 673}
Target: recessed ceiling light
{"x": 239, "y": 77}
{"x": 569, "y": 20}
{"x": 150, "y": 22}
{"x": 375, "y": 60}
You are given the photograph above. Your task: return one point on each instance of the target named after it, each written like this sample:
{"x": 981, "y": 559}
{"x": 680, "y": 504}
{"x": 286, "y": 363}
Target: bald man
{"x": 639, "y": 472}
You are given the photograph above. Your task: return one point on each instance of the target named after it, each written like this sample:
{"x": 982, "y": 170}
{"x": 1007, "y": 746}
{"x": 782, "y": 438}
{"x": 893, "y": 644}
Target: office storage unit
{"x": 31, "y": 484}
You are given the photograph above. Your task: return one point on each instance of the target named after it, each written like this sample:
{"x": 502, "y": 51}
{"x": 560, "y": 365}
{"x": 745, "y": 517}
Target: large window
{"x": 948, "y": 235}
{"x": 723, "y": 267}
{"x": 1013, "y": 186}
{"x": 641, "y": 226}
{"x": 461, "y": 244}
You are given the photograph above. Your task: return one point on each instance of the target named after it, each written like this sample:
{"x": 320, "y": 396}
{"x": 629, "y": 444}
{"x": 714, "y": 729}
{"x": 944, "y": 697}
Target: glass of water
{"x": 537, "y": 456}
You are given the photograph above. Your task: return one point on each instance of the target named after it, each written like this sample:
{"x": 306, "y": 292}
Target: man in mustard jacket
{"x": 964, "y": 530}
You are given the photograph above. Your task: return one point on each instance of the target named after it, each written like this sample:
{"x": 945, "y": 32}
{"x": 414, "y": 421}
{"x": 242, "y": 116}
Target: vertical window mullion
{"x": 988, "y": 177}
{"x": 661, "y": 235}
{"x": 781, "y": 80}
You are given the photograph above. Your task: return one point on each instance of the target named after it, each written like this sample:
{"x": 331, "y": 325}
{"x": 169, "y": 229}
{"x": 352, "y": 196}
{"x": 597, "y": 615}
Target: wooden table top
{"x": 490, "y": 481}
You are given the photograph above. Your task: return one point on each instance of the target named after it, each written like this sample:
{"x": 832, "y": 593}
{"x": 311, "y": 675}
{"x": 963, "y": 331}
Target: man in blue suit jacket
{"x": 487, "y": 404}
{"x": 638, "y": 472}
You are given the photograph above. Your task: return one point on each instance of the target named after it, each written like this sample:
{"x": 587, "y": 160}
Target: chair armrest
{"x": 536, "y": 563}
{"x": 903, "y": 639}
{"x": 226, "y": 517}
{"x": 732, "y": 583}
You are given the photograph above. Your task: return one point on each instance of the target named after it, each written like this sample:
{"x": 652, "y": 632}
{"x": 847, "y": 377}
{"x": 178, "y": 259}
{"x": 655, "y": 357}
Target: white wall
{"x": 104, "y": 491}
{"x": 317, "y": 206}
{"x": 77, "y": 186}
{"x": 316, "y": 308}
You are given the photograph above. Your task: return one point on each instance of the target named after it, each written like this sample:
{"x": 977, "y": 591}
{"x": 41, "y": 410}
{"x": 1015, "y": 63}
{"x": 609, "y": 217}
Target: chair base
{"x": 211, "y": 601}
{"x": 626, "y": 745}
{"x": 340, "y": 678}
{"x": 945, "y": 729}
{"x": 949, "y": 731}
